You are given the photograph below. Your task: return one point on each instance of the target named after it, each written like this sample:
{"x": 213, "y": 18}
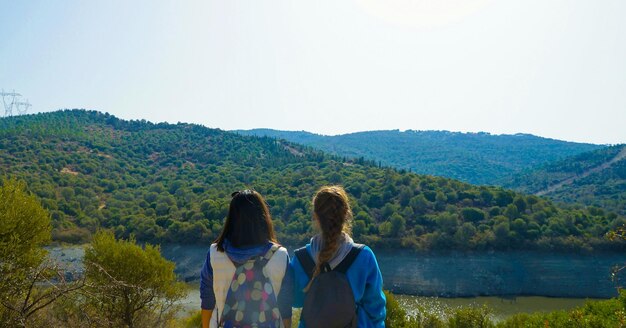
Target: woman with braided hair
{"x": 337, "y": 282}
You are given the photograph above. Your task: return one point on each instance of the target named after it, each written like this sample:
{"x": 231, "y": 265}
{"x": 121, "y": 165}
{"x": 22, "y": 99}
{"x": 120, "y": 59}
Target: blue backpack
{"x": 251, "y": 301}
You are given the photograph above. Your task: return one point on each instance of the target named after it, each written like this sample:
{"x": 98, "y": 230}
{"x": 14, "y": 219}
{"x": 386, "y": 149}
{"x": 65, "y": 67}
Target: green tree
{"x": 502, "y": 232}
{"x": 465, "y": 233}
{"x": 398, "y": 224}
{"x": 130, "y": 286}
{"x": 447, "y": 222}
{"x": 471, "y": 214}
{"x": 359, "y": 228}
{"x": 29, "y": 283}
{"x": 511, "y": 212}
{"x": 24, "y": 230}
{"x": 385, "y": 229}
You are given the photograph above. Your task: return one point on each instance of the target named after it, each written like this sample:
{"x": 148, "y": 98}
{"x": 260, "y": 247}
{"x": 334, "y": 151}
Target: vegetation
{"x": 604, "y": 189}
{"x": 596, "y": 314}
{"x": 24, "y": 229}
{"x": 129, "y": 285}
{"x": 164, "y": 183}
{"x": 478, "y": 158}
{"x": 123, "y": 284}
{"x": 192, "y": 321}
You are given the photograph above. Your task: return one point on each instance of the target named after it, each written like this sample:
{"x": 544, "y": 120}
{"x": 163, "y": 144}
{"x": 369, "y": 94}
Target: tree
{"x": 28, "y": 282}
{"x": 359, "y": 228}
{"x": 385, "y": 229}
{"x": 617, "y": 234}
{"x": 471, "y": 214}
{"x": 447, "y": 222}
{"x": 24, "y": 229}
{"x": 464, "y": 234}
{"x": 41, "y": 287}
{"x": 502, "y": 232}
{"x": 398, "y": 224}
{"x": 129, "y": 285}
{"x": 511, "y": 212}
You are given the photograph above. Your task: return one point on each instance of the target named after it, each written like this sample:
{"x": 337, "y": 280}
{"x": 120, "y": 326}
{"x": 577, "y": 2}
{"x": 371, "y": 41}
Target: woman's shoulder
{"x": 366, "y": 252}
{"x": 281, "y": 249}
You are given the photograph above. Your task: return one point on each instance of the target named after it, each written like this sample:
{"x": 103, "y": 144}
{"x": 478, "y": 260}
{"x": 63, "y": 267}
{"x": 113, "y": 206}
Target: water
{"x": 500, "y": 274}
{"x": 508, "y": 282}
{"x": 469, "y": 275}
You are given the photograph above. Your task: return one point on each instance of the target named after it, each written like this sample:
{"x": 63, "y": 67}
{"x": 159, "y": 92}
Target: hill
{"x": 169, "y": 183}
{"x": 596, "y": 178}
{"x": 478, "y": 158}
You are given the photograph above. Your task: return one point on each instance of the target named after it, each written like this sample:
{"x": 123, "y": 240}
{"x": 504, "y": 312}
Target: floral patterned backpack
{"x": 251, "y": 301}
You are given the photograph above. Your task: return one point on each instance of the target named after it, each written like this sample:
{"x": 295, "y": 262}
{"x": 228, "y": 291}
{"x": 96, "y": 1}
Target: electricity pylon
{"x": 8, "y": 107}
{"x": 22, "y": 107}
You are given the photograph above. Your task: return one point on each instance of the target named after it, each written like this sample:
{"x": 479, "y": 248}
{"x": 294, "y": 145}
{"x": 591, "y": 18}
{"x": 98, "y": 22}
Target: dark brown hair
{"x": 331, "y": 209}
{"x": 248, "y": 222}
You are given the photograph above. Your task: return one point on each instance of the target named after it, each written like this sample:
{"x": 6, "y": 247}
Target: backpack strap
{"x": 268, "y": 255}
{"x": 308, "y": 264}
{"x": 305, "y": 259}
{"x": 347, "y": 261}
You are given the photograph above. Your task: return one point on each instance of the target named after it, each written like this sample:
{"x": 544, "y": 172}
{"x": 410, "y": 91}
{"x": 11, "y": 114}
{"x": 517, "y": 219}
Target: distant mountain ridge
{"x": 478, "y": 158}
{"x": 595, "y": 178}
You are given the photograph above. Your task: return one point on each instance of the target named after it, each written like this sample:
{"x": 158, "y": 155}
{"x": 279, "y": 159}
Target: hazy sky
{"x": 555, "y": 68}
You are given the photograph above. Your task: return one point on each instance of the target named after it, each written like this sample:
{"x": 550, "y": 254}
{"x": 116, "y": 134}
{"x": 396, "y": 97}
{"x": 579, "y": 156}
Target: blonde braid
{"x": 332, "y": 211}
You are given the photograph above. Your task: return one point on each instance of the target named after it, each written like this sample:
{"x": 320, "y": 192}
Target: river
{"x": 509, "y": 282}
{"x": 506, "y": 274}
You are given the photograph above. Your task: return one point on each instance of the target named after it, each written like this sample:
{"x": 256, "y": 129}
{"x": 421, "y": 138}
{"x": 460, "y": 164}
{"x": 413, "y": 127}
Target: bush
{"x": 471, "y": 318}
{"x": 24, "y": 230}
{"x": 192, "y": 321}
{"x": 594, "y": 314}
{"x": 130, "y": 285}
{"x": 397, "y": 317}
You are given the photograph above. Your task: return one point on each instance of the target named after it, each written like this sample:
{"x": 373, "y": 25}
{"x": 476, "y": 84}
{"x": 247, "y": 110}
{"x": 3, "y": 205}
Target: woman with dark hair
{"x": 246, "y": 279}
{"x": 337, "y": 282}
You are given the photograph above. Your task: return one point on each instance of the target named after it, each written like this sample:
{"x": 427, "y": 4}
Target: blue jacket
{"x": 367, "y": 285}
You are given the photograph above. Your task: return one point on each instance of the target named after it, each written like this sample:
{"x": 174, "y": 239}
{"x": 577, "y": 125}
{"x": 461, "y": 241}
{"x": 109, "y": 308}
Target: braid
{"x": 332, "y": 211}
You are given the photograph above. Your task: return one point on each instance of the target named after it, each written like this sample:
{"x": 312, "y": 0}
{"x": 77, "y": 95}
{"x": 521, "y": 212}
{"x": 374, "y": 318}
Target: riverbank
{"x": 501, "y": 308}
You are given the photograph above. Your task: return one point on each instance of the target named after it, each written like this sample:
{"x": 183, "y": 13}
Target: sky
{"x": 552, "y": 68}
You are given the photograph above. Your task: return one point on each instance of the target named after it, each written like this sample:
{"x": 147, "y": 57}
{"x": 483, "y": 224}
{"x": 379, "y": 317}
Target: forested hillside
{"x": 478, "y": 158}
{"x": 595, "y": 178}
{"x": 172, "y": 183}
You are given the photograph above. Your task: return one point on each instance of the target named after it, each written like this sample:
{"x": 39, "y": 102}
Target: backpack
{"x": 251, "y": 301}
{"x": 329, "y": 302}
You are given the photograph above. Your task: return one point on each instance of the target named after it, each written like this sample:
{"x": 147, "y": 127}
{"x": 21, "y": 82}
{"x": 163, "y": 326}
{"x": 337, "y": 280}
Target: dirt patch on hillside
{"x": 67, "y": 170}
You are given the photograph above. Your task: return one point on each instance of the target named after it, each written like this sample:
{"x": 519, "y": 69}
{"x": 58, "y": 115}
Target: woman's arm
{"x": 207, "y": 295}
{"x": 206, "y": 318}
{"x": 298, "y": 282}
{"x": 285, "y": 297}
{"x": 374, "y": 302}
